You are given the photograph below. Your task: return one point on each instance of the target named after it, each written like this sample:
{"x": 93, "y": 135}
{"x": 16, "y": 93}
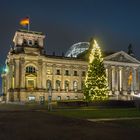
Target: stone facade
{"x": 32, "y": 75}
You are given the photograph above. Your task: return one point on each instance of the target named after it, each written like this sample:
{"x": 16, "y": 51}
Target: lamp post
{"x": 50, "y": 99}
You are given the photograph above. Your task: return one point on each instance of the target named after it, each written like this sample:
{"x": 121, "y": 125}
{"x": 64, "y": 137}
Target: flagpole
{"x": 29, "y": 27}
{"x": 29, "y": 24}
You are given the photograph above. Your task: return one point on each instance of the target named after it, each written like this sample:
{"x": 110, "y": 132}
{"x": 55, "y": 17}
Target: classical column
{"x": 107, "y": 74}
{"x": 113, "y": 77}
{"x": 116, "y": 80}
{"x": 128, "y": 85}
{"x": 39, "y": 74}
{"x": 80, "y": 79}
{"x": 124, "y": 79}
{"x": 10, "y": 75}
{"x": 16, "y": 73}
{"x": 120, "y": 81}
{"x": 134, "y": 80}
{"x": 110, "y": 78}
{"x": 71, "y": 79}
{"x": 53, "y": 76}
{"x": 22, "y": 69}
{"x": 62, "y": 77}
{"x": 44, "y": 75}
{"x": 137, "y": 79}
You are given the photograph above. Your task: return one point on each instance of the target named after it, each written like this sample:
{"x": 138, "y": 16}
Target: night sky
{"x": 114, "y": 23}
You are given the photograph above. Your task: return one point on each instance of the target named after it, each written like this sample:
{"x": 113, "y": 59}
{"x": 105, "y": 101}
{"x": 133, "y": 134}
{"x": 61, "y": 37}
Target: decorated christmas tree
{"x": 96, "y": 86}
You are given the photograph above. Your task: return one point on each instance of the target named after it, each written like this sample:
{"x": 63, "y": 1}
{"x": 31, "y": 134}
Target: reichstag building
{"x": 31, "y": 75}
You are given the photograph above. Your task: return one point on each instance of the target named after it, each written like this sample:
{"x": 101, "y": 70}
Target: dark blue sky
{"x": 114, "y": 23}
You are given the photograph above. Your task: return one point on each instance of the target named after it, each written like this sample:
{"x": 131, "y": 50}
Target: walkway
{"x": 113, "y": 119}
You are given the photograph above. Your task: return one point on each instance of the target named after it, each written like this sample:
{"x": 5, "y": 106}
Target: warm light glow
{"x": 138, "y": 95}
{"x": 130, "y": 78}
{"x": 95, "y": 46}
{"x": 96, "y": 85}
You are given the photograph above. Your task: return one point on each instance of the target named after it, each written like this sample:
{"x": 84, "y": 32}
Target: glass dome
{"x": 76, "y": 49}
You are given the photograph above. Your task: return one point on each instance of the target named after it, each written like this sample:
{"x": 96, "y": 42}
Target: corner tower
{"x": 24, "y": 67}
{"x": 28, "y": 41}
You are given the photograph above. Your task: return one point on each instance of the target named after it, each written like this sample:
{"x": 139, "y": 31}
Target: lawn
{"x": 20, "y": 107}
{"x": 91, "y": 113}
{"x": 76, "y": 112}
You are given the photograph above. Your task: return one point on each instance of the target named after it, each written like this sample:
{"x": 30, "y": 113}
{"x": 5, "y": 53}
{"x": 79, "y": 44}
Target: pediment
{"x": 121, "y": 57}
{"x": 30, "y": 75}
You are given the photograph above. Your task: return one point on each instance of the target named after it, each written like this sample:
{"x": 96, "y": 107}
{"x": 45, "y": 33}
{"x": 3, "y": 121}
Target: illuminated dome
{"x": 76, "y": 49}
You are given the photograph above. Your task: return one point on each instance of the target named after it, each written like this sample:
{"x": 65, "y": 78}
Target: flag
{"x": 130, "y": 78}
{"x": 25, "y": 21}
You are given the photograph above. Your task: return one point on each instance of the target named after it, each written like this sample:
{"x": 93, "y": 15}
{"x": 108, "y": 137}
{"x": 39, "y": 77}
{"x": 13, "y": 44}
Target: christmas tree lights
{"x": 96, "y": 86}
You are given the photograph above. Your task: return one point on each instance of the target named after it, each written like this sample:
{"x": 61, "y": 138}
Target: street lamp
{"x": 5, "y": 70}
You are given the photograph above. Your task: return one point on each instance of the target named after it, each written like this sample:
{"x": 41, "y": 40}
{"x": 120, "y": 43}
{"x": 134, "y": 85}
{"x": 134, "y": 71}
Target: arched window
{"x": 36, "y": 43}
{"x": 30, "y": 69}
{"x": 30, "y": 42}
{"x": 24, "y": 42}
{"x": 75, "y": 85}
{"x": 58, "y": 84}
{"x": 48, "y": 85}
{"x": 66, "y": 85}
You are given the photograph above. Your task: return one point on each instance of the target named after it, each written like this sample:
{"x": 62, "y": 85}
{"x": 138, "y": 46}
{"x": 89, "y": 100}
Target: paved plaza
{"x": 42, "y": 125}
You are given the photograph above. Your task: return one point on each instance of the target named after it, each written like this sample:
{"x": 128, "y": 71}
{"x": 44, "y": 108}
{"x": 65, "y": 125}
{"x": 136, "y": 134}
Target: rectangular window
{"x": 31, "y": 98}
{"x": 58, "y": 98}
{"x": 76, "y": 97}
{"x": 83, "y": 73}
{"x": 66, "y": 72}
{"x": 30, "y": 84}
{"x": 68, "y": 97}
{"x": 57, "y": 72}
{"x": 75, "y": 73}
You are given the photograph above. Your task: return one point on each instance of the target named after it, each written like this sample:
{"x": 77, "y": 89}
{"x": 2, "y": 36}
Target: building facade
{"x": 32, "y": 75}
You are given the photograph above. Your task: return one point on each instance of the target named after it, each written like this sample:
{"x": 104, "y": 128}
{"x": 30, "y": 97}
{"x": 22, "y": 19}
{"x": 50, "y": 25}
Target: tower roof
{"x": 31, "y": 32}
{"x": 30, "y": 38}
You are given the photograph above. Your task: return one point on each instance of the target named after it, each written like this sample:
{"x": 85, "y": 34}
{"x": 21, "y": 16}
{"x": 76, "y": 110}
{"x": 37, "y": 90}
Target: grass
{"x": 77, "y": 112}
{"x": 17, "y": 107}
{"x": 89, "y": 113}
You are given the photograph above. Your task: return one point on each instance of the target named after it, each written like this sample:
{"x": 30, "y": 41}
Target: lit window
{"x": 75, "y": 85}
{"x": 30, "y": 69}
{"x": 30, "y": 84}
{"x": 58, "y": 98}
{"x": 58, "y": 84}
{"x": 68, "y": 97}
{"x": 31, "y": 98}
{"x": 66, "y": 85}
{"x": 76, "y": 97}
{"x": 75, "y": 73}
